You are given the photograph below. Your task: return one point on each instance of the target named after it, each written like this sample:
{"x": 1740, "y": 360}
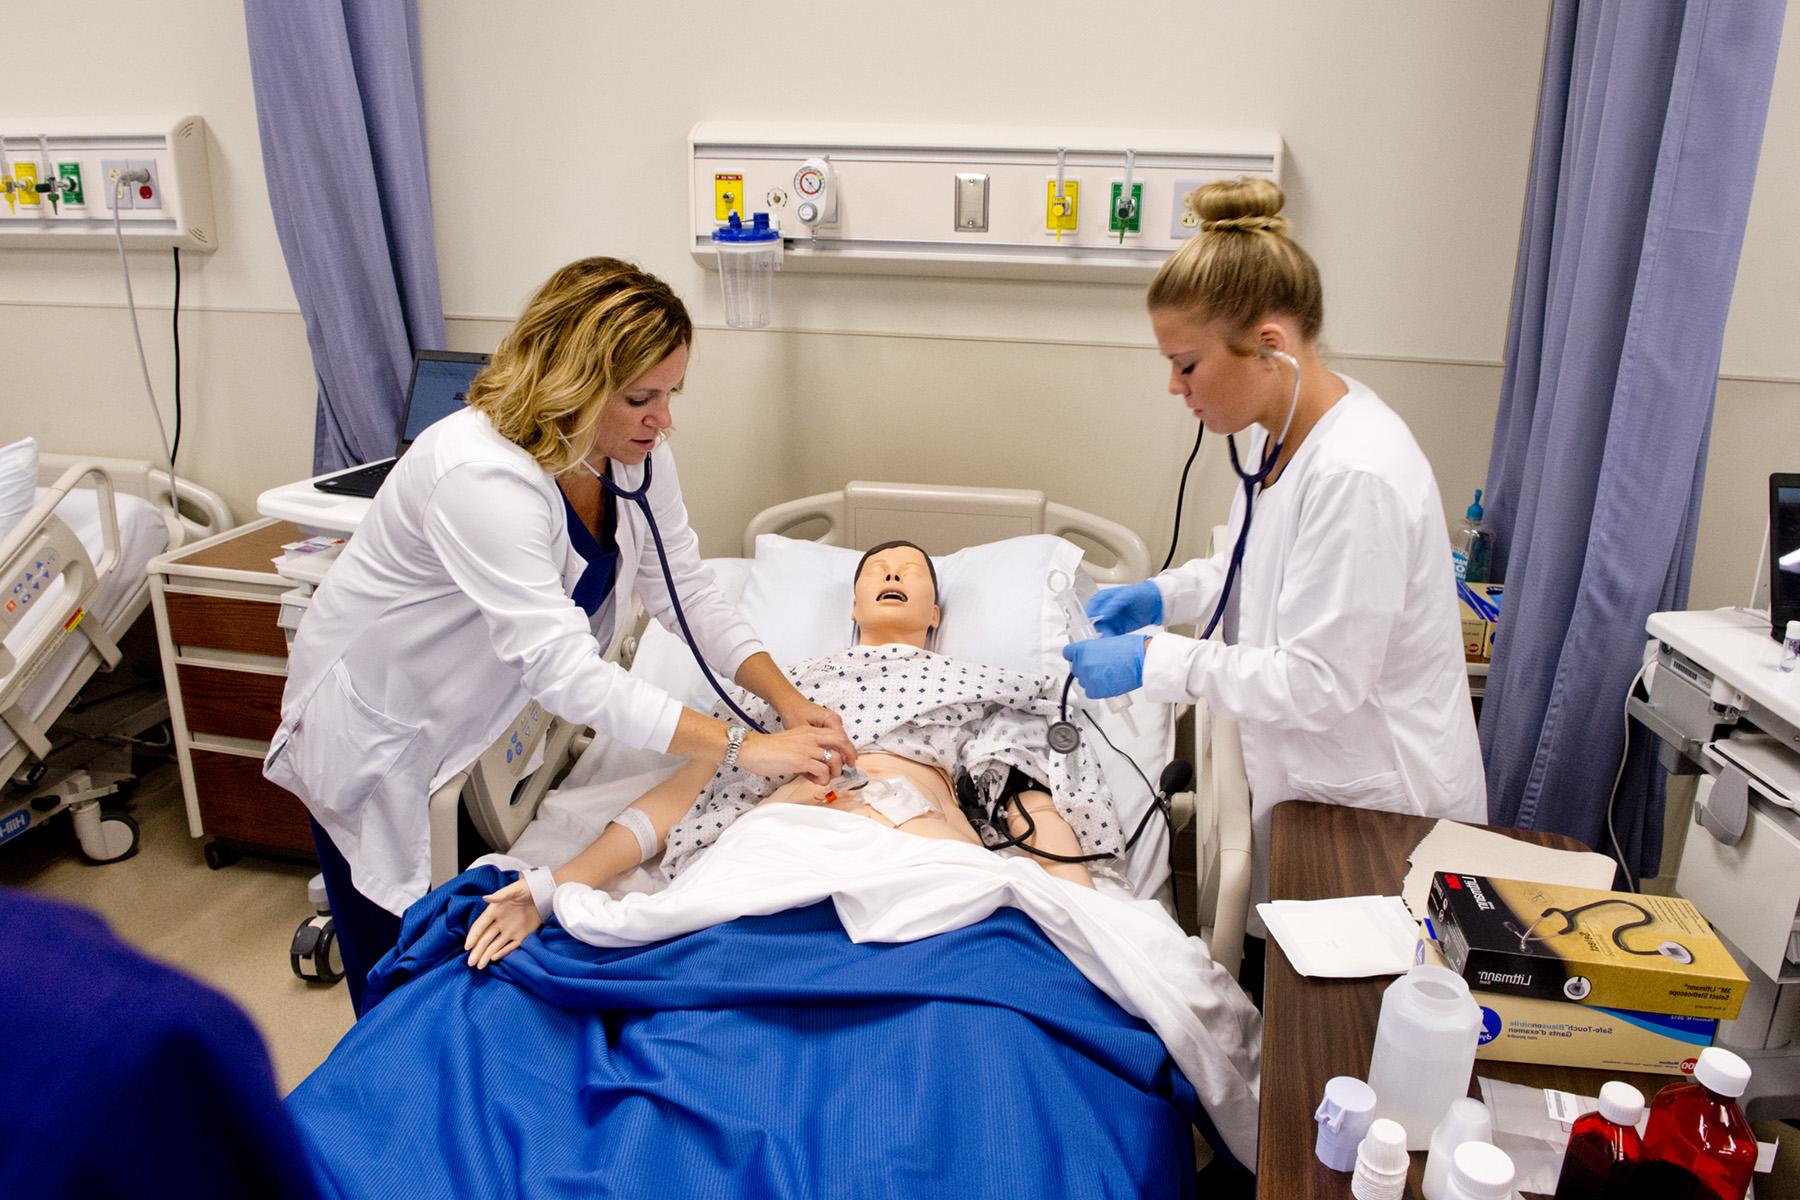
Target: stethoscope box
{"x": 1621, "y": 950}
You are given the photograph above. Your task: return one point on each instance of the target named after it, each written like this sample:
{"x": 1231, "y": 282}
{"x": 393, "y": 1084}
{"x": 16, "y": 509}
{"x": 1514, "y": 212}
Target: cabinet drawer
{"x": 238, "y": 804}
{"x": 225, "y": 623}
{"x": 238, "y": 704}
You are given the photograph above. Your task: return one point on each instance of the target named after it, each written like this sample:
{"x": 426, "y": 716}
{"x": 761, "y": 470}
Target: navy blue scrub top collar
{"x": 601, "y": 555}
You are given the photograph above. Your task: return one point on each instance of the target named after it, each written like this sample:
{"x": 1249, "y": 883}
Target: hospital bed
{"x": 546, "y": 788}
{"x": 72, "y": 583}
{"x": 754, "y": 1040}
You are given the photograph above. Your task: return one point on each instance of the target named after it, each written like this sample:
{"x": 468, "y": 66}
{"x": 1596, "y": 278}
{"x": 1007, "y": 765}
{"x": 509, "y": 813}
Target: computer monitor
{"x": 440, "y": 386}
{"x": 1784, "y": 552}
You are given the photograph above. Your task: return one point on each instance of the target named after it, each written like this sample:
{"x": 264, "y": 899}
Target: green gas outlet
{"x": 69, "y": 173}
{"x": 1132, "y": 222}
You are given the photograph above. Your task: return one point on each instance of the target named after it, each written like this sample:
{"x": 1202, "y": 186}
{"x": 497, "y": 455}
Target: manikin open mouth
{"x": 891, "y": 594}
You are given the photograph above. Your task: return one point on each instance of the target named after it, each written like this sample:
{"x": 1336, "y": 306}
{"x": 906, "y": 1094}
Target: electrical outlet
{"x": 110, "y": 170}
{"x": 728, "y": 197}
{"x": 25, "y": 176}
{"x": 68, "y": 175}
{"x": 147, "y": 194}
{"x": 1184, "y": 219}
{"x": 1056, "y": 221}
{"x": 1134, "y": 223}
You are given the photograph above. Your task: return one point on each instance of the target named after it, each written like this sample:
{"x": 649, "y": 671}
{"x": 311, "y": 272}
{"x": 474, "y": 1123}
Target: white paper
{"x": 1349, "y": 938}
{"x": 1453, "y": 846}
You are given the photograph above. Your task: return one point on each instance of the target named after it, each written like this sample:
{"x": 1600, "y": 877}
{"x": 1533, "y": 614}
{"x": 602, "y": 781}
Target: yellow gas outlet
{"x": 25, "y": 175}
{"x": 728, "y": 197}
{"x": 1062, "y": 216}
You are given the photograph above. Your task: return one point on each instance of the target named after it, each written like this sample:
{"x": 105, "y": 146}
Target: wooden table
{"x": 1316, "y": 1028}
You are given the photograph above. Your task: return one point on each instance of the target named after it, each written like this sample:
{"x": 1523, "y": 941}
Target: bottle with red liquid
{"x": 1604, "y": 1148}
{"x": 1698, "y": 1143}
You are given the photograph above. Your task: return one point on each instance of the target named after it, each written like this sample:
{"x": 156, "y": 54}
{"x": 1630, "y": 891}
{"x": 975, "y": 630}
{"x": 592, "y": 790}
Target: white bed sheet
{"x": 142, "y": 536}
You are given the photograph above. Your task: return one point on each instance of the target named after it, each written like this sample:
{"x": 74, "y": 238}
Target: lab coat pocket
{"x": 1382, "y": 792}
{"x": 339, "y": 752}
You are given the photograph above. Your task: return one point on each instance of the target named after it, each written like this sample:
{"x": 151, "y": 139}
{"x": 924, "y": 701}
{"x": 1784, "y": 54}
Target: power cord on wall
{"x": 124, "y": 179}
{"x": 1618, "y": 778}
{"x": 175, "y": 336}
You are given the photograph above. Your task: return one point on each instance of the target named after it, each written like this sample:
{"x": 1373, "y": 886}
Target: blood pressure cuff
{"x": 975, "y": 807}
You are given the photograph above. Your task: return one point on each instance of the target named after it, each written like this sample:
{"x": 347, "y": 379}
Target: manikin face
{"x": 895, "y": 599}
{"x": 1227, "y": 390}
{"x": 631, "y": 421}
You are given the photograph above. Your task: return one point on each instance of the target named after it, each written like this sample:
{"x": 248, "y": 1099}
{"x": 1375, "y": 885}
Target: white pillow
{"x": 663, "y": 658}
{"x": 18, "y": 483}
{"x": 799, "y": 594}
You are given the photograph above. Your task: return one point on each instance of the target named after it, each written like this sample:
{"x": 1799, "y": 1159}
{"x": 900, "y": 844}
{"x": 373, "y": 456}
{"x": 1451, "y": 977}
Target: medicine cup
{"x": 749, "y": 255}
{"x": 1344, "y": 1116}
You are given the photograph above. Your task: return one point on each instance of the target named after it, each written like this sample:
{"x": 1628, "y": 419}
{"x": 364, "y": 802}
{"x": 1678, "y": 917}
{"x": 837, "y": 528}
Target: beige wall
{"x": 1408, "y": 128}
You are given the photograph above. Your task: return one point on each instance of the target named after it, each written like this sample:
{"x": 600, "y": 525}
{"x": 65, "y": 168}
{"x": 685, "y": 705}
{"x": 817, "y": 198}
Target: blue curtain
{"x": 340, "y": 106}
{"x": 1649, "y": 128}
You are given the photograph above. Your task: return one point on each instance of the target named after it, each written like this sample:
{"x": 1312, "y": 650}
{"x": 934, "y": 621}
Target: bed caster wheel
{"x": 116, "y": 840}
{"x": 314, "y": 953}
{"x": 219, "y": 857}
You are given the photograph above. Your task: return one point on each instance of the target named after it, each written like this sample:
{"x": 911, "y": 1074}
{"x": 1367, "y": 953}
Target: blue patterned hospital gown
{"x": 923, "y": 706}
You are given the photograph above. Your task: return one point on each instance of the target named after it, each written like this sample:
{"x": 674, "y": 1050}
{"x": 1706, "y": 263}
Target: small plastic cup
{"x": 1343, "y": 1117}
{"x": 749, "y": 256}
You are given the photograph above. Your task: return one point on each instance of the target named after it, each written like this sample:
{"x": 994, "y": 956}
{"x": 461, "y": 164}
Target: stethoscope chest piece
{"x": 1063, "y": 737}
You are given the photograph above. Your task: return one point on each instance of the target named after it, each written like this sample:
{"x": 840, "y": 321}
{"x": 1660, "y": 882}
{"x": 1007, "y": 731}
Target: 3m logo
{"x": 1453, "y": 881}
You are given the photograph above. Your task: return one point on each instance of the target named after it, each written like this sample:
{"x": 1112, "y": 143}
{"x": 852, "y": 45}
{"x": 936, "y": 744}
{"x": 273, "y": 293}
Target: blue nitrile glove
{"x": 1108, "y": 666}
{"x": 1123, "y": 609}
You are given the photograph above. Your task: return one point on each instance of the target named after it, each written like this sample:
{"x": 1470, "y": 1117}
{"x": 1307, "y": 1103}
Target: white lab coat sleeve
{"x": 499, "y": 542}
{"x": 724, "y": 636}
{"x": 1343, "y": 592}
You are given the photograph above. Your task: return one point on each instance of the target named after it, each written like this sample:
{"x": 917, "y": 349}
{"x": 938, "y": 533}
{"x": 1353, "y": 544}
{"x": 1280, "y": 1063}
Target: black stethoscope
{"x": 1064, "y": 736}
{"x": 1671, "y": 949}
{"x": 640, "y": 496}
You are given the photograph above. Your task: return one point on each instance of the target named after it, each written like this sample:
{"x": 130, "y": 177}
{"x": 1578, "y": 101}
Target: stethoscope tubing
{"x": 640, "y": 496}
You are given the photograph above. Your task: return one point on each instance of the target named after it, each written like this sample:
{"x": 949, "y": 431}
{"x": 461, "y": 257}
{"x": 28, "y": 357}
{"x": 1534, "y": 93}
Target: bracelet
{"x": 543, "y": 889}
{"x": 635, "y": 820}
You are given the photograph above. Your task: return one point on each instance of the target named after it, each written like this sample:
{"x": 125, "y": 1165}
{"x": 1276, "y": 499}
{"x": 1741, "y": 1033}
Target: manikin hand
{"x": 509, "y": 918}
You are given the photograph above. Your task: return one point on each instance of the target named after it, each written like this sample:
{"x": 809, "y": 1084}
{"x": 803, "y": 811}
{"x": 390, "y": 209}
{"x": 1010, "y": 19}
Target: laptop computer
{"x": 439, "y": 386}
{"x": 1784, "y": 553}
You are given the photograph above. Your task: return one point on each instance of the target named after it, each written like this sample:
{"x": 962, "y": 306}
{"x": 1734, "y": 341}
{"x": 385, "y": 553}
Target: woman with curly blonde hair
{"x": 492, "y": 570}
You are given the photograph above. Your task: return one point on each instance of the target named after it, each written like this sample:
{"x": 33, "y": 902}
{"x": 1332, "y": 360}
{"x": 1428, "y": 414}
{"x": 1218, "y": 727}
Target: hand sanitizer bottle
{"x": 1790, "y": 647}
{"x": 1470, "y": 548}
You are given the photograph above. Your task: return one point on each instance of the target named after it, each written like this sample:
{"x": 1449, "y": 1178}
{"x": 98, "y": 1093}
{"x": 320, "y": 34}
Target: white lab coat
{"x": 1342, "y": 656}
{"x": 449, "y": 609}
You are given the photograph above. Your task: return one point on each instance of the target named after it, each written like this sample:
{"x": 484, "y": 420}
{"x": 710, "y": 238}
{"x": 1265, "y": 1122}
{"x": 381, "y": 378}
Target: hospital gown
{"x": 945, "y": 712}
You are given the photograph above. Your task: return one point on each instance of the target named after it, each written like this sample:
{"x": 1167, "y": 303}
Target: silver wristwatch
{"x": 734, "y": 742}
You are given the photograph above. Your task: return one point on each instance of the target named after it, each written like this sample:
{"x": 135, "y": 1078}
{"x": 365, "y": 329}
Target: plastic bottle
{"x": 1479, "y": 1171}
{"x": 1604, "y": 1148}
{"x": 1472, "y": 545}
{"x": 1790, "y": 647}
{"x": 1424, "y": 1049}
{"x": 1467, "y": 1121}
{"x": 1698, "y": 1143}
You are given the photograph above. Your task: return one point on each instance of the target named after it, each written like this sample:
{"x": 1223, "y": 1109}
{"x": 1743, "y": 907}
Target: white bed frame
{"x": 502, "y": 789}
{"x": 43, "y": 547}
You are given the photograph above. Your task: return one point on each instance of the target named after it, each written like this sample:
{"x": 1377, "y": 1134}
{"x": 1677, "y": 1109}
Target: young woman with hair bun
{"x": 1341, "y": 654}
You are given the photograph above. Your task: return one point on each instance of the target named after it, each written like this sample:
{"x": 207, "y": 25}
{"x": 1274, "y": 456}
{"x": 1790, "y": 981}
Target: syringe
{"x": 1072, "y": 593}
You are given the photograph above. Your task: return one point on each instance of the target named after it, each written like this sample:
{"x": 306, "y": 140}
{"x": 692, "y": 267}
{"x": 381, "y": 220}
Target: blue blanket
{"x": 770, "y": 1056}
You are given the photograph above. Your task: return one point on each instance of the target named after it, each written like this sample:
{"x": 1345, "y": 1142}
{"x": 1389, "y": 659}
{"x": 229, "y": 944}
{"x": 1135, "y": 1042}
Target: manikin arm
{"x": 1053, "y": 836}
{"x": 512, "y": 915}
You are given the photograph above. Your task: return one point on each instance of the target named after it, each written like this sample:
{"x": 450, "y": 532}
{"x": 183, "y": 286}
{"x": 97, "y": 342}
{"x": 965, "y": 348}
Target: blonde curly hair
{"x": 591, "y": 330}
{"x": 1241, "y": 266}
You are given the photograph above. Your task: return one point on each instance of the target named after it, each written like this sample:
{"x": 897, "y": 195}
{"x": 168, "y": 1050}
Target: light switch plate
{"x": 971, "y": 203}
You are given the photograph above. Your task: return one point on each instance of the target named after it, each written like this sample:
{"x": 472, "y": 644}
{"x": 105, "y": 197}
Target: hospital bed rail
{"x": 39, "y": 551}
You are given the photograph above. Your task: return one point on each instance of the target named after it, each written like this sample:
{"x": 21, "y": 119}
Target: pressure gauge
{"x": 810, "y": 181}
{"x": 816, "y": 188}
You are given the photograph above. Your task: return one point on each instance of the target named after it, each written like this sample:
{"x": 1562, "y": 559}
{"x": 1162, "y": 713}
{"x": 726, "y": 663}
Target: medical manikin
{"x": 902, "y": 780}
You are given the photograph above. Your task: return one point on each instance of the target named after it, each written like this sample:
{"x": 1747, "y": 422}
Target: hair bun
{"x": 1245, "y": 205}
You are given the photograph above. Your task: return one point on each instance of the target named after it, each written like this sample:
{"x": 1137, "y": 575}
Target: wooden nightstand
{"x": 225, "y": 663}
